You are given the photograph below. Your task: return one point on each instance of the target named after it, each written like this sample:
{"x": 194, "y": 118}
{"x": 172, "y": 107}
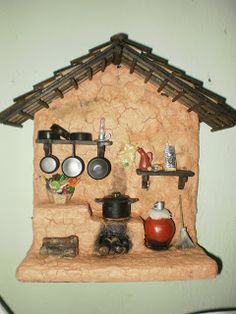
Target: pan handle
{"x": 60, "y": 131}
{"x": 133, "y": 200}
{"x": 47, "y": 147}
{"x": 99, "y": 200}
{"x": 73, "y": 150}
{"x": 100, "y": 150}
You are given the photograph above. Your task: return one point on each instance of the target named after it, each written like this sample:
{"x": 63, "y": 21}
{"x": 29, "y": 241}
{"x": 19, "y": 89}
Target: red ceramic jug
{"x": 159, "y": 227}
{"x": 145, "y": 159}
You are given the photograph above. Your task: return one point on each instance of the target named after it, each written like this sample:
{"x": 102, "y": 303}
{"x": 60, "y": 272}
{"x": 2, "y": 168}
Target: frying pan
{"x": 73, "y": 166}
{"x": 99, "y": 167}
{"x": 49, "y": 163}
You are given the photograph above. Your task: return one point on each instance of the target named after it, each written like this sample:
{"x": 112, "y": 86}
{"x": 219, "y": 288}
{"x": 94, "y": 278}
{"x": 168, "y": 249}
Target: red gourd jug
{"x": 159, "y": 227}
{"x": 145, "y": 162}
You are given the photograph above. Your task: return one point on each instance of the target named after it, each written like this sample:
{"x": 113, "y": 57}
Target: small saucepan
{"x": 99, "y": 167}
{"x": 49, "y": 163}
{"x": 73, "y": 166}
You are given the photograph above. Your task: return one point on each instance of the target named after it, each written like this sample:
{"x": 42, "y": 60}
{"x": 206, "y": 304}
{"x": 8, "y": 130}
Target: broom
{"x": 184, "y": 241}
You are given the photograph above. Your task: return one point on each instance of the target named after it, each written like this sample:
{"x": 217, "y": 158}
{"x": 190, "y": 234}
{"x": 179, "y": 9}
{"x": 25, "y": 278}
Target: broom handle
{"x": 181, "y": 210}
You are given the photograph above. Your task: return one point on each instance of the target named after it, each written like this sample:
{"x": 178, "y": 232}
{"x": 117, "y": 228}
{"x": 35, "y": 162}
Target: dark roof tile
{"x": 171, "y": 81}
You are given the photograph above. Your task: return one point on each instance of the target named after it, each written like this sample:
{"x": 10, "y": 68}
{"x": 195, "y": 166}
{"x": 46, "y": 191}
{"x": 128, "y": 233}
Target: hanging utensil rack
{"x": 95, "y": 142}
{"x": 100, "y": 144}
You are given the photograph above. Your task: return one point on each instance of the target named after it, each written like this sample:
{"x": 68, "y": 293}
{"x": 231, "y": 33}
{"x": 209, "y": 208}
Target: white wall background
{"x": 38, "y": 37}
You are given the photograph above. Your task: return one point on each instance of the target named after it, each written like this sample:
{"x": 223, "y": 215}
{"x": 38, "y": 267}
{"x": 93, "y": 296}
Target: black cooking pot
{"x": 116, "y": 205}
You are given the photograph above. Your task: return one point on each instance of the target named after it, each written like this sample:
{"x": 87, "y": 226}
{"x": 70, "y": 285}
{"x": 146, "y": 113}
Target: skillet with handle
{"x": 73, "y": 166}
{"x": 49, "y": 163}
{"x": 99, "y": 167}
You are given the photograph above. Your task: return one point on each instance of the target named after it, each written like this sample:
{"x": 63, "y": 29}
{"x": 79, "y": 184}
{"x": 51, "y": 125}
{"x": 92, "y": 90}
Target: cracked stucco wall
{"x": 134, "y": 113}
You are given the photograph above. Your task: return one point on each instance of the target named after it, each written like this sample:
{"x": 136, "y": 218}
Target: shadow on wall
{"x": 216, "y": 259}
{"x": 119, "y": 180}
{"x": 4, "y": 308}
{"x": 218, "y": 311}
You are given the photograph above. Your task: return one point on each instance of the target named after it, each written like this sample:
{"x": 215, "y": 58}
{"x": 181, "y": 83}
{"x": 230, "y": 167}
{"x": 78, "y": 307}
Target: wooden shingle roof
{"x": 120, "y": 50}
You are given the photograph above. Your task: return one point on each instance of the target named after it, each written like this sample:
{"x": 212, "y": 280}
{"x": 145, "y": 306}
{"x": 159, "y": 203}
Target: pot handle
{"x": 150, "y": 155}
{"x": 133, "y": 200}
{"x": 99, "y": 200}
{"x": 59, "y": 130}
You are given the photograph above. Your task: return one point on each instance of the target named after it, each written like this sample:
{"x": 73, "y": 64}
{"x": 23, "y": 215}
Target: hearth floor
{"x": 148, "y": 265}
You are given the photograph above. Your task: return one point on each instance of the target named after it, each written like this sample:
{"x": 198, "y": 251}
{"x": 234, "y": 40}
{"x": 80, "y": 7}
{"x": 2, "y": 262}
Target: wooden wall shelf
{"x": 182, "y": 174}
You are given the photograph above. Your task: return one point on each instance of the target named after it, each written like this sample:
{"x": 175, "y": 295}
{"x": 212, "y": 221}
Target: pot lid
{"x": 116, "y": 197}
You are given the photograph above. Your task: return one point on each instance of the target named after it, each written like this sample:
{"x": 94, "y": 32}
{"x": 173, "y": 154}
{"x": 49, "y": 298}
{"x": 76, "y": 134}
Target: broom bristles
{"x": 184, "y": 241}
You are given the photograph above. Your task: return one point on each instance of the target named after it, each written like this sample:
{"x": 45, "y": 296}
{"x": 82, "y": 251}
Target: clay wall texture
{"x": 45, "y": 37}
{"x": 135, "y": 113}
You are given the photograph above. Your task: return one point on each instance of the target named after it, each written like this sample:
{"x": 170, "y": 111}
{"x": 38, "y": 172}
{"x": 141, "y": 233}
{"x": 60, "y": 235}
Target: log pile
{"x": 60, "y": 246}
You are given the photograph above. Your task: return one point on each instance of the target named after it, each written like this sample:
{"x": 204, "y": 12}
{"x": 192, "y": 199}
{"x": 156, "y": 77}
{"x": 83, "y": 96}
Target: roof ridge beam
{"x": 78, "y": 61}
{"x": 99, "y": 47}
{"x": 137, "y": 45}
{"x": 117, "y": 54}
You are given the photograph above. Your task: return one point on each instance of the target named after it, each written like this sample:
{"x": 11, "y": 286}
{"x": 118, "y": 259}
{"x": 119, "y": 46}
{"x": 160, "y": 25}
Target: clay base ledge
{"x": 150, "y": 265}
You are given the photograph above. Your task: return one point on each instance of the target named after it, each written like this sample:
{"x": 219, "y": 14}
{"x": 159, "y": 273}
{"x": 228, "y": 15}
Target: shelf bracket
{"x": 182, "y": 181}
{"x": 145, "y": 182}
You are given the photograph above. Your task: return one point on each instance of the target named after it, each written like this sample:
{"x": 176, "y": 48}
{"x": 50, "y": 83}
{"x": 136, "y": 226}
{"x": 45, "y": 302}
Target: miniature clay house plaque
{"x": 146, "y": 103}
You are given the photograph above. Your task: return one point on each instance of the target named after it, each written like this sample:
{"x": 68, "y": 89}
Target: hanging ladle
{"x": 73, "y": 166}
